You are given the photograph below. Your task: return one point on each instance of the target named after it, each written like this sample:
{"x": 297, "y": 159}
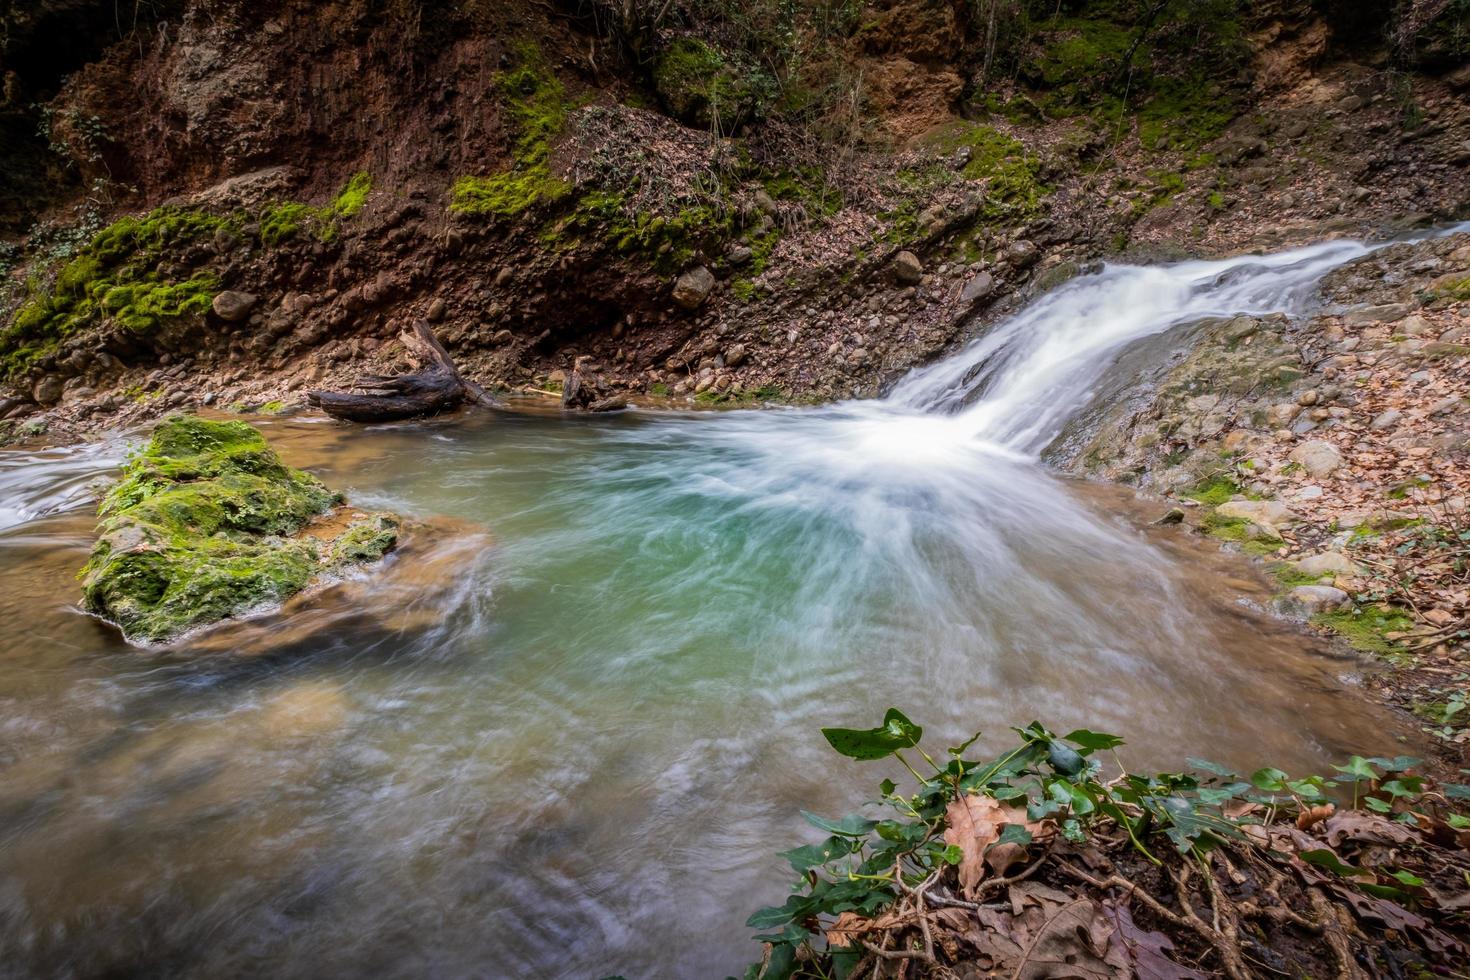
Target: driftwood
{"x": 379, "y": 398}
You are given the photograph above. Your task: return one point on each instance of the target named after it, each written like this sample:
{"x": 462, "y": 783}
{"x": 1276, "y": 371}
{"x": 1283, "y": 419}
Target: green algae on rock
{"x": 207, "y": 524}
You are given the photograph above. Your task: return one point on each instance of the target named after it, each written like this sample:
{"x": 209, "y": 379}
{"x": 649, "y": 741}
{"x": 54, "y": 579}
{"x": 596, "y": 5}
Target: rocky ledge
{"x": 207, "y": 524}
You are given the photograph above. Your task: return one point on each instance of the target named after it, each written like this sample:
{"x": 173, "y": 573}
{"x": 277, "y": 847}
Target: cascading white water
{"x": 1019, "y": 384}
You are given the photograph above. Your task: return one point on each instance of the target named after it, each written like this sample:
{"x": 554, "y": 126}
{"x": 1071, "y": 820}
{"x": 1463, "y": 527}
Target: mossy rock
{"x": 206, "y": 525}
{"x": 703, "y": 86}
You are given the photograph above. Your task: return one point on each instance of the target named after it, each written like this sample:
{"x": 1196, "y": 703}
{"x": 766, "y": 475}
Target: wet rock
{"x": 1318, "y": 457}
{"x": 693, "y": 288}
{"x": 232, "y": 306}
{"x": 1175, "y": 515}
{"x": 610, "y": 404}
{"x": 48, "y": 390}
{"x": 907, "y": 269}
{"x": 206, "y": 525}
{"x": 1310, "y": 600}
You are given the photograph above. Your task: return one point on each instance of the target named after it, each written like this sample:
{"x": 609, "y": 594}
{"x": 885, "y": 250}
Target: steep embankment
{"x": 739, "y": 205}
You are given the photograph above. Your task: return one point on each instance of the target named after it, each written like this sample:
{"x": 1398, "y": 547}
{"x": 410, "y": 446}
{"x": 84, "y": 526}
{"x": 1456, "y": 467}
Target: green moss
{"x": 193, "y": 532}
{"x": 353, "y": 195}
{"x": 707, "y": 88}
{"x": 366, "y": 540}
{"x": 508, "y": 194}
{"x": 668, "y": 242}
{"x": 1238, "y": 532}
{"x": 1365, "y": 627}
{"x": 1289, "y": 578}
{"x": 1214, "y": 491}
{"x": 282, "y": 222}
{"x": 660, "y": 390}
{"x": 1013, "y": 184}
{"x": 536, "y": 103}
{"x": 116, "y": 275}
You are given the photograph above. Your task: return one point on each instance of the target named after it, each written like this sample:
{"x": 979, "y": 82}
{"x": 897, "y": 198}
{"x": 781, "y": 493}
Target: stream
{"x": 566, "y": 739}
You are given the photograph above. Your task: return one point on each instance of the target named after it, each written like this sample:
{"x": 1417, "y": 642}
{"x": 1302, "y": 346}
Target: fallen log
{"x": 439, "y": 387}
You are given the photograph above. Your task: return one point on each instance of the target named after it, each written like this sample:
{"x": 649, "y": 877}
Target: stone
{"x": 436, "y": 310}
{"x": 1369, "y": 315}
{"x": 735, "y": 355}
{"x": 1267, "y": 512}
{"x": 980, "y": 286}
{"x": 693, "y": 288}
{"x": 1333, "y": 562}
{"x": 1023, "y": 254}
{"x": 739, "y": 254}
{"x": 1309, "y": 397}
{"x": 907, "y": 268}
{"x": 1310, "y": 600}
{"x": 1174, "y": 515}
{"x": 1240, "y": 328}
{"x": 1318, "y": 457}
{"x": 1445, "y": 405}
{"x": 233, "y": 306}
{"x": 1386, "y": 419}
{"x": 764, "y": 201}
{"x": 48, "y": 390}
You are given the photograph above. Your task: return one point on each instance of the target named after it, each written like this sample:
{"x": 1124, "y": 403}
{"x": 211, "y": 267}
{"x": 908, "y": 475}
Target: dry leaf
{"x": 1314, "y": 815}
{"x": 845, "y": 931}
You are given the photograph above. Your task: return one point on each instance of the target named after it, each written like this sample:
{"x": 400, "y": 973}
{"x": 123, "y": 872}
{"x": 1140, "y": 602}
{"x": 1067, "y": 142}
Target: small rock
{"x": 1023, "y": 254}
{"x": 1370, "y": 315}
{"x": 48, "y": 390}
{"x": 1318, "y": 457}
{"x": 735, "y": 355}
{"x": 1309, "y": 600}
{"x": 1175, "y": 515}
{"x": 232, "y": 306}
{"x": 502, "y": 337}
{"x": 980, "y": 286}
{"x": 1240, "y": 328}
{"x": 1334, "y": 562}
{"x": 1268, "y": 512}
{"x": 436, "y": 310}
{"x": 739, "y": 254}
{"x": 1386, "y": 419}
{"x": 1445, "y": 405}
{"x": 1309, "y": 397}
{"x": 693, "y": 288}
{"x": 907, "y": 268}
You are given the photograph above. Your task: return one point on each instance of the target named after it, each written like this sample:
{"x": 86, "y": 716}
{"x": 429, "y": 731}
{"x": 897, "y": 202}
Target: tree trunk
{"x": 376, "y": 398}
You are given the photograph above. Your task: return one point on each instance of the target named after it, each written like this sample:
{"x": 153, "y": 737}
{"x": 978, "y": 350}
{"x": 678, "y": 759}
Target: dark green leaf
{"x": 1093, "y": 741}
{"x": 1382, "y": 891}
{"x": 795, "y": 907}
{"x": 1359, "y": 768}
{"x": 1399, "y": 763}
{"x": 896, "y": 732}
{"x": 959, "y": 750}
{"x": 1324, "y": 858}
{"x": 1204, "y": 765}
{"x": 1013, "y": 834}
{"x": 887, "y": 787}
{"x": 1376, "y": 805}
{"x": 815, "y": 855}
{"x": 1269, "y": 780}
{"x": 1064, "y": 759}
{"x": 852, "y": 825}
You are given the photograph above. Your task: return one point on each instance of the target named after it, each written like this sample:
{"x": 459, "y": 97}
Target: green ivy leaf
{"x": 1376, "y": 805}
{"x": 1093, "y": 741}
{"x": 1408, "y": 878}
{"x": 887, "y": 787}
{"x": 1359, "y": 768}
{"x": 1457, "y": 791}
{"x": 1064, "y": 759}
{"x": 816, "y": 855}
{"x": 1324, "y": 858}
{"x": 1399, "y": 763}
{"x": 1012, "y": 834}
{"x": 896, "y": 732}
{"x": 795, "y": 907}
{"x": 1205, "y": 765}
{"x": 852, "y": 825}
{"x": 1269, "y": 780}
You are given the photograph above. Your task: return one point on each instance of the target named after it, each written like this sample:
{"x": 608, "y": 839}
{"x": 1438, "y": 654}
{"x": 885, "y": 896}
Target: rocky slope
{"x": 1337, "y": 448}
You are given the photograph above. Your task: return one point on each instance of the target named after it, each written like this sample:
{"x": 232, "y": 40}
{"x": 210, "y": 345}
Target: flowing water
{"x": 562, "y": 733}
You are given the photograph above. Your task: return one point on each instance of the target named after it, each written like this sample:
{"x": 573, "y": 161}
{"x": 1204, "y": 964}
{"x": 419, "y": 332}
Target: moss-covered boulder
{"x": 208, "y": 523}
{"x": 709, "y": 88}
